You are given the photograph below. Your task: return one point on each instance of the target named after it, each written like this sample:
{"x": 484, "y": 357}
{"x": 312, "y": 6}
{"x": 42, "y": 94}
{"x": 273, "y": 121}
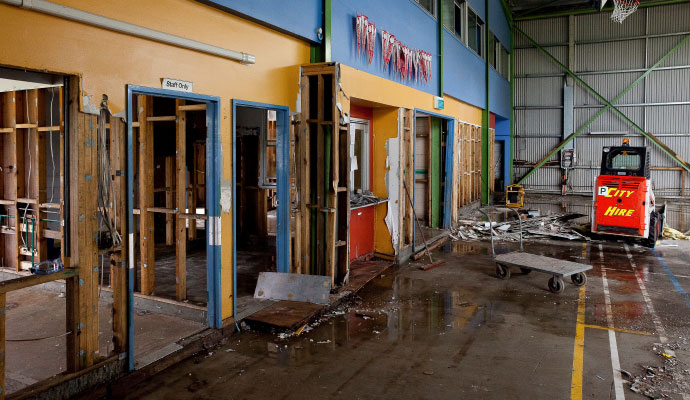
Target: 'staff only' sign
{"x": 176, "y": 84}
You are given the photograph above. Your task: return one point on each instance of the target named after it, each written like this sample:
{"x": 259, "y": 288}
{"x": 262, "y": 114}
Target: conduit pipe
{"x": 72, "y": 14}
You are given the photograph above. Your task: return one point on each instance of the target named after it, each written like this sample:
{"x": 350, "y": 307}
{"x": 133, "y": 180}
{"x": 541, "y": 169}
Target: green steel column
{"x": 485, "y": 116}
{"x": 439, "y": 21}
{"x": 509, "y": 16}
{"x": 327, "y": 30}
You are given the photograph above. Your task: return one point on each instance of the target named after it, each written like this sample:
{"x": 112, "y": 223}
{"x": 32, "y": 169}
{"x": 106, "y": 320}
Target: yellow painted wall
{"x": 107, "y": 61}
{"x": 386, "y": 122}
{"x": 361, "y": 85}
{"x": 364, "y": 86}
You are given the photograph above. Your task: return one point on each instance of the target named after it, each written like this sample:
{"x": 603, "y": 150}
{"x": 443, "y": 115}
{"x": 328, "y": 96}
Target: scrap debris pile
{"x": 663, "y": 381}
{"x": 363, "y": 199}
{"x": 533, "y": 226}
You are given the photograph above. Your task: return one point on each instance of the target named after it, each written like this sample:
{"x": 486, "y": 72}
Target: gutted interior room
{"x": 406, "y": 199}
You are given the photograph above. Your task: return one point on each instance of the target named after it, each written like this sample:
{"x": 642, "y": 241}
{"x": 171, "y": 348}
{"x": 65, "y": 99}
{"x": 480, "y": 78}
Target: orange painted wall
{"x": 108, "y": 61}
{"x": 361, "y": 85}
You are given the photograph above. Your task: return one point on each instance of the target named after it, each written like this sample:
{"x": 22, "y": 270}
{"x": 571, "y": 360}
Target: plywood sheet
{"x": 295, "y": 287}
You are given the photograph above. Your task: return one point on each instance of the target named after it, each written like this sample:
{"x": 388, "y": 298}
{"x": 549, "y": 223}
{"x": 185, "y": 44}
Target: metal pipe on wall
{"x": 72, "y": 14}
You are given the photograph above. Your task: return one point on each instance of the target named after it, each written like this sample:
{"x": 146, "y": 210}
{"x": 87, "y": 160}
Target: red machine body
{"x": 621, "y": 205}
{"x": 624, "y": 204}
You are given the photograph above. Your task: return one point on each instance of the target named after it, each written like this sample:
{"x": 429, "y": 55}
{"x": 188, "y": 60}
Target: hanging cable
{"x": 105, "y": 180}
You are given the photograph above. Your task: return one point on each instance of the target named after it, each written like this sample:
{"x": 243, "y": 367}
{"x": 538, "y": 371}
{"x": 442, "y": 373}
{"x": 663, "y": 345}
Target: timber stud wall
{"x": 322, "y": 220}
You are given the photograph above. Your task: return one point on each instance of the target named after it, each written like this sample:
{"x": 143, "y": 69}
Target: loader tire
{"x": 653, "y": 231}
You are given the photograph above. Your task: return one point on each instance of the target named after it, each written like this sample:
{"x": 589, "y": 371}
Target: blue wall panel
{"x": 410, "y": 24}
{"x": 463, "y": 72}
{"x": 502, "y": 132}
{"x": 499, "y": 94}
{"x": 299, "y": 17}
{"x": 498, "y": 24}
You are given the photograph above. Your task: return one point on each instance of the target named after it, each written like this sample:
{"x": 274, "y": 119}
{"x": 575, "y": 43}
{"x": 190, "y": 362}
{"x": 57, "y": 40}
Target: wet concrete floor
{"x": 458, "y": 332}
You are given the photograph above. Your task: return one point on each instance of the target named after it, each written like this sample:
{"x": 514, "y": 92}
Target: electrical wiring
{"x": 105, "y": 180}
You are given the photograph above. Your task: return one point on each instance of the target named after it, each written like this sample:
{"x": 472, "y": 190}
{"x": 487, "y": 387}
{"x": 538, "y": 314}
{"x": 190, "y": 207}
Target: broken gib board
{"x": 296, "y": 287}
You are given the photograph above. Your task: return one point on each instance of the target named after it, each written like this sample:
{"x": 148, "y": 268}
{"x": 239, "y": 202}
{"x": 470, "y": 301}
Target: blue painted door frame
{"x": 448, "y": 166}
{"x": 214, "y": 167}
{"x": 283, "y": 188}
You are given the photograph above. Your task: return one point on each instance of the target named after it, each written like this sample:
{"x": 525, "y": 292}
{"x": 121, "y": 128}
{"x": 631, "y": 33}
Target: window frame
{"x": 266, "y": 182}
{"x": 482, "y": 36}
{"x": 363, "y": 162}
{"x": 434, "y": 6}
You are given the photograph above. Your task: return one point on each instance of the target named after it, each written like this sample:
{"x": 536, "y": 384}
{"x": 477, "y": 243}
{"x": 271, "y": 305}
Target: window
{"x": 492, "y": 50}
{"x": 454, "y": 17}
{"x": 429, "y": 5}
{"x": 268, "y": 152}
{"x": 624, "y": 159}
{"x": 359, "y": 150}
{"x": 503, "y": 61}
{"x": 475, "y": 32}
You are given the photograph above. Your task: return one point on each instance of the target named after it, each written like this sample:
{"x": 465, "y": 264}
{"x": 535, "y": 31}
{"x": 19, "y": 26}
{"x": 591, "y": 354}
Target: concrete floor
{"x": 35, "y": 327}
{"x": 458, "y": 331}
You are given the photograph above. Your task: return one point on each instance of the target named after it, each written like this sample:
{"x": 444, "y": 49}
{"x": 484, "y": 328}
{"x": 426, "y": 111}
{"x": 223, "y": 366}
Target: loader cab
{"x": 625, "y": 161}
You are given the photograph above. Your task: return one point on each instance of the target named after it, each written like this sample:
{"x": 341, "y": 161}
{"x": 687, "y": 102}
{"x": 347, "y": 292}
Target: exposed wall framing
{"x": 467, "y": 172}
{"x": 323, "y": 170}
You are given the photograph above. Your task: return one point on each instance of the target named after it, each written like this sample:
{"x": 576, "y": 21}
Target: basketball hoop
{"x": 623, "y": 8}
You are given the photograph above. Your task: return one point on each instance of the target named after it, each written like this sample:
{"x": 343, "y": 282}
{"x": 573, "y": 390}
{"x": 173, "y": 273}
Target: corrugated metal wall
{"x": 609, "y": 57}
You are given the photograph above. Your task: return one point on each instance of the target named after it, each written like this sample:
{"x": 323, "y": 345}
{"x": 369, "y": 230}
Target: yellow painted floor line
{"x": 579, "y": 347}
{"x": 619, "y": 330}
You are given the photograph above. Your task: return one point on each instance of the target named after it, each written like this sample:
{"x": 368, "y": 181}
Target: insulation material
{"x": 393, "y": 188}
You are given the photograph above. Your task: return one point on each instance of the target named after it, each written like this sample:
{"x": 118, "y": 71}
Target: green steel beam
{"x": 485, "y": 117}
{"x": 327, "y": 30}
{"x": 593, "y": 10}
{"x": 608, "y": 106}
{"x": 508, "y": 13}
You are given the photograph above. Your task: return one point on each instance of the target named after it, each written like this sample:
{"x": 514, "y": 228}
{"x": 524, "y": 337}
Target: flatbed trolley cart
{"x": 527, "y": 262}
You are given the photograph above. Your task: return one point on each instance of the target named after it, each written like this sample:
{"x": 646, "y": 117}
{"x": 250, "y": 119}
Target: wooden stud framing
{"x": 118, "y": 259}
{"x": 169, "y": 182}
{"x": 180, "y": 203}
{"x": 146, "y": 225}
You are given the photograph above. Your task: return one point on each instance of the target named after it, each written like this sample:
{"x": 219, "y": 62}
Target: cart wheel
{"x": 502, "y": 271}
{"x": 579, "y": 279}
{"x": 525, "y": 271}
{"x": 556, "y": 285}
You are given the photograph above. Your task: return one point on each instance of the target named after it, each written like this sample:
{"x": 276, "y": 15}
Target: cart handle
{"x": 491, "y": 232}
{"x": 517, "y": 214}
{"x": 491, "y": 229}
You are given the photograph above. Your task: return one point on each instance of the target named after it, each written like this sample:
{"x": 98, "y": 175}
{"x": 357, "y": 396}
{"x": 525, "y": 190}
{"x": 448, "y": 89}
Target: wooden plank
{"x": 161, "y": 210}
{"x": 118, "y": 259}
{"x": 193, "y": 181}
{"x": 302, "y": 180}
{"x": 72, "y": 327}
{"x": 49, "y": 128}
{"x": 320, "y": 176}
{"x": 192, "y": 107}
{"x": 161, "y": 118}
{"x": 180, "y": 203}
{"x": 9, "y": 179}
{"x": 169, "y": 172}
{"x": 146, "y": 224}
{"x": 88, "y": 270}
{"x": 286, "y": 314}
{"x": 22, "y": 282}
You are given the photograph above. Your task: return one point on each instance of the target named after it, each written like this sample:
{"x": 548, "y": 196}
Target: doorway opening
{"x": 433, "y": 155}
{"x": 261, "y": 197}
{"x": 172, "y": 145}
